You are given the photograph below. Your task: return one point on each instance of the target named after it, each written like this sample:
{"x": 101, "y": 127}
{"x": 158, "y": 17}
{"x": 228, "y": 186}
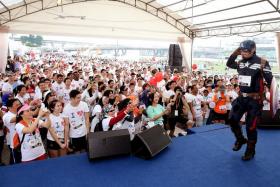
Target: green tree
{"x": 32, "y": 40}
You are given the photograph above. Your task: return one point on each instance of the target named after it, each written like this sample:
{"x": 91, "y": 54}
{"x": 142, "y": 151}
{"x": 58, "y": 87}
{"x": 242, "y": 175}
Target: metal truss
{"x": 34, "y": 6}
{"x": 270, "y": 25}
{"x": 256, "y": 26}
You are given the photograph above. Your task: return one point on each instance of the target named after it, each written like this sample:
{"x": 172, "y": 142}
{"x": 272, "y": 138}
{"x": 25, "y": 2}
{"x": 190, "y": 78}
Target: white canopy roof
{"x": 145, "y": 19}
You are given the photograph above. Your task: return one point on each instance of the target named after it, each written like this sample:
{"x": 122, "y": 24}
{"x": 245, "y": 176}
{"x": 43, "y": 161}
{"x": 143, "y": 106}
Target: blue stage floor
{"x": 202, "y": 159}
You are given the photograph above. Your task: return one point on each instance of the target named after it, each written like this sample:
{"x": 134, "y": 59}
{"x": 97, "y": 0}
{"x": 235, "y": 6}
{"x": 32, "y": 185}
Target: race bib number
{"x": 150, "y": 124}
{"x": 60, "y": 134}
{"x": 131, "y": 128}
{"x": 223, "y": 107}
{"x": 244, "y": 80}
{"x": 33, "y": 143}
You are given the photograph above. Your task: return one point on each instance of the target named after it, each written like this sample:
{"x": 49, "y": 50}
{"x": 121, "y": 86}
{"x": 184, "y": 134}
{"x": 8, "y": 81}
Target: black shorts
{"x": 174, "y": 119}
{"x": 217, "y": 116}
{"x": 52, "y": 145}
{"x": 78, "y": 144}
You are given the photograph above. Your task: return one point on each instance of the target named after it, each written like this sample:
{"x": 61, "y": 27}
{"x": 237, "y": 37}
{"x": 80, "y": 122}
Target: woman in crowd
{"x": 21, "y": 94}
{"x": 155, "y": 111}
{"x": 90, "y": 94}
{"x": 28, "y": 133}
{"x": 97, "y": 112}
{"x": 57, "y": 137}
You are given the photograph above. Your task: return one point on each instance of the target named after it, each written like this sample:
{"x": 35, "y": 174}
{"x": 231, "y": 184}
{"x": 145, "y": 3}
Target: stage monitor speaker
{"x": 175, "y": 55}
{"x": 108, "y": 143}
{"x": 150, "y": 142}
{"x": 267, "y": 121}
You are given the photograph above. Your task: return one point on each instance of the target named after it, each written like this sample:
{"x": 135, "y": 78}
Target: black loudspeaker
{"x": 175, "y": 55}
{"x": 267, "y": 121}
{"x": 172, "y": 68}
{"x": 108, "y": 143}
{"x": 150, "y": 142}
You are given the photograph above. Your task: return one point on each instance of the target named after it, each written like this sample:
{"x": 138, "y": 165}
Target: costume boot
{"x": 240, "y": 140}
{"x": 250, "y": 151}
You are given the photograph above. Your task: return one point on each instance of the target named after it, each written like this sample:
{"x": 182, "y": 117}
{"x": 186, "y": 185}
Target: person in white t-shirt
{"x": 58, "y": 86}
{"x": 196, "y": 101}
{"x": 90, "y": 94}
{"x": 9, "y": 120}
{"x": 170, "y": 91}
{"x": 77, "y": 113}
{"x": 97, "y": 112}
{"x": 22, "y": 96}
{"x": 77, "y": 83}
{"x": 232, "y": 94}
{"x": 8, "y": 86}
{"x": 58, "y": 132}
{"x": 66, "y": 91}
{"x": 207, "y": 98}
{"x": 40, "y": 89}
{"x": 27, "y": 129}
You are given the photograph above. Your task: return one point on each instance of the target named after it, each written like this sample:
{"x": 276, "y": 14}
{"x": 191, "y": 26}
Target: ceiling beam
{"x": 151, "y": 1}
{"x": 240, "y": 17}
{"x": 4, "y": 5}
{"x": 230, "y": 8}
{"x": 195, "y": 6}
{"x": 175, "y": 3}
{"x": 275, "y": 7}
{"x": 248, "y": 23}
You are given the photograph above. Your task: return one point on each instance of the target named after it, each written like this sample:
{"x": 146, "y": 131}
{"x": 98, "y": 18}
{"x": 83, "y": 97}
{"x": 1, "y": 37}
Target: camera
{"x": 129, "y": 117}
{"x": 91, "y": 78}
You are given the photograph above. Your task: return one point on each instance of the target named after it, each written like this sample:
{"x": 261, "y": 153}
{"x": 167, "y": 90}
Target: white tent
{"x": 139, "y": 19}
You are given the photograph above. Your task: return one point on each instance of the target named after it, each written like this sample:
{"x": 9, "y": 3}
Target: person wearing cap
{"x": 252, "y": 71}
{"x": 112, "y": 118}
{"x": 27, "y": 130}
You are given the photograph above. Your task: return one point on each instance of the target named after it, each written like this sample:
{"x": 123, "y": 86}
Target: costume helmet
{"x": 247, "y": 45}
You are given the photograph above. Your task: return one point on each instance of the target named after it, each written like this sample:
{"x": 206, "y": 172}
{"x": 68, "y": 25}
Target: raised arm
{"x": 231, "y": 63}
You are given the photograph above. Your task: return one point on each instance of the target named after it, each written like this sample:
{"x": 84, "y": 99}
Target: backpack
{"x": 16, "y": 140}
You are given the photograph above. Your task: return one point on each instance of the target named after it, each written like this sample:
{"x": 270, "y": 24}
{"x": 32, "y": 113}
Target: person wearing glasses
{"x": 112, "y": 117}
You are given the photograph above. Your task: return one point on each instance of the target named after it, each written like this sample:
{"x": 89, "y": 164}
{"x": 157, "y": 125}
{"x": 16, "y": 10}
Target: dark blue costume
{"x": 252, "y": 72}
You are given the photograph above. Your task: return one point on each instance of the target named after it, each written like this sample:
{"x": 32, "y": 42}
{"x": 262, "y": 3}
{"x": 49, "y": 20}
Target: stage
{"x": 201, "y": 159}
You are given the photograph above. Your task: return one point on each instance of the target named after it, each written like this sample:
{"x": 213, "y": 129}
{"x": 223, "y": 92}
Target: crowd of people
{"x": 50, "y": 106}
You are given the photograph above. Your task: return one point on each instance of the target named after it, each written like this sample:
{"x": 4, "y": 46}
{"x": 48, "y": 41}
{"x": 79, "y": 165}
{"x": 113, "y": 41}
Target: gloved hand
{"x": 237, "y": 52}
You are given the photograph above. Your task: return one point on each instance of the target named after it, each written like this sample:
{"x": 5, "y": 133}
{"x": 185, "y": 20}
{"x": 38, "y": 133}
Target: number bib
{"x": 244, "y": 80}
